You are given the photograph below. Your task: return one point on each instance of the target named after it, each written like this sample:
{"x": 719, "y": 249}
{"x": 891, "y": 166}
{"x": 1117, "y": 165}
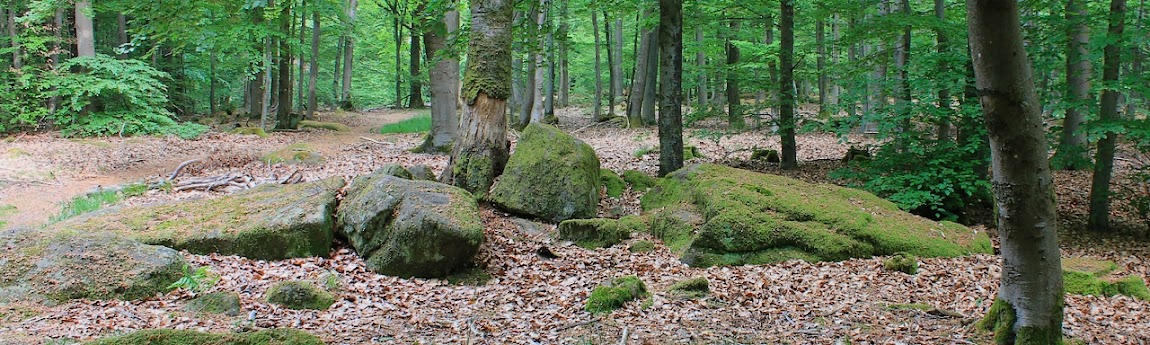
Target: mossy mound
{"x": 752, "y": 218}
{"x": 1082, "y": 276}
{"x": 551, "y": 176}
{"x": 691, "y": 152}
{"x": 250, "y": 131}
{"x": 614, "y": 184}
{"x": 227, "y": 303}
{"x": 331, "y": 126}
{"x": 270, "y": 222}
{"x": 299, "y": 295}
{"x": 294, "y": 154}
{"x": 642, "y": 247}
{"x": 901, "y": 262}
{"x": 771, "y": 156}
{"x": 410, "y": 228}
{"x": 691, "y": 288}
{"x": 600, "y": 232}
{"x": 60, "y": 265}
{"x": 183, "y": 337}
{"x": 395, "y": 170}
{"x": 638, "y": 180}
{"x": 607, "y": 298}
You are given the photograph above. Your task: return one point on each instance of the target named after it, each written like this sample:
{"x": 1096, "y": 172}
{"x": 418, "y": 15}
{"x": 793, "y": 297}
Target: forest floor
{"x": 532, "y": 300}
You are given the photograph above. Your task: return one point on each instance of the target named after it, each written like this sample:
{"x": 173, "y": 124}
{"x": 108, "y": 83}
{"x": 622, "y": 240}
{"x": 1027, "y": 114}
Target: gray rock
{"x": 395, "y": 170}
{"x": 551, "y": 176}
{"x": 422, "y": 172}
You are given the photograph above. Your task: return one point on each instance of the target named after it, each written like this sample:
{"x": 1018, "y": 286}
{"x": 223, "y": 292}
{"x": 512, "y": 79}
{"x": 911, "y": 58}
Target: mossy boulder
{"x": 1083, "y": 276}
{"x": 614, "y": 184}
{"x": 294, "y": 154}
{"x": 60, "y": 265}
{"x": 395, "y": 170}
{"x": 608, "y": 297}
{"x": 638, "y": 180}
{"x": 256, "y": 131}
{"x": 642, "y": 247}
{"x": 185, "y": 337}
{"x": 901, "y": 262}
{"x": 551, "y": 176}
{"x": 771, "y": 156}
{"x": 422, "y": 172}
{"x": 270, "y": 222}
{"x": 600, "y": 232}
{"x": 299, "y": 295}
{"x": 690, "y": 288}
{"x": 751, "y": 218}
{"x": 331, "y": 126}
{"x": 227, "y": 303}
{"x": 410, "y": 228}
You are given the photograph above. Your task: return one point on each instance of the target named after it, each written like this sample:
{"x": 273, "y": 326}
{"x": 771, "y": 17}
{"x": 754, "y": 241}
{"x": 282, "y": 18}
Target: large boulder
{"x": 718, "y": 215}
{"x": 551, "y": 176}
{"x": 270, "y": 222}
{"x": 60, "y": 265}
{"x": 410, "y": 228}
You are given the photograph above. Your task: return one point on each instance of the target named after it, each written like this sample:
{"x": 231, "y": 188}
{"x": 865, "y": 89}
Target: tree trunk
{"x": 597, "y": 100}
{"x": 444, "y": 75}
{"x": 1073, "y": 153}
{"x": 540, "y": 92}
{"x": 671, "y": 86}
{"x": 284, "y": 118}
{"x": 902, "y": 64}
{"x": 564, "y": 63}
{"x": 652, "y": 82}
{"x": 301, "y": 102}
{"x": 416, "y": 89}
{"x": 608, "y": 33}
{"x": 1028, "y": 309}
{"x": 313, "y": 65}
{"x": 336, "y": 77}
{"x": 549, "y": 86}
{"x": 701, "y": 61}
{"x": 772, "y": 68}
{"x": 944, "y": 101}
{"x": 635, "y": 100}
{"x": 734, "y": 99}
{"x": 121, "y": 32}
{"x": 266, "y": 90}
{"x": 13, "y": 35}
{"x": 212, "y": 82}
{"x": 481, "y": 151}
{"x": 821, "y": 65}
{"x": 787, "y": 85}
{"x": 348, "y": 56}
{"x": 85, "y": 39}
{"x": 397, "y": 34}
{"x": 617, "y": 60}
{"x": 1099, "y": 219}
{"x": 55, "y": 58}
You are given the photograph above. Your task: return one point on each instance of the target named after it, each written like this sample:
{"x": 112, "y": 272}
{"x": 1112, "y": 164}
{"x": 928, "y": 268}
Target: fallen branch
{"x": 180, "y": 168}
{"x": 577, "y": 324}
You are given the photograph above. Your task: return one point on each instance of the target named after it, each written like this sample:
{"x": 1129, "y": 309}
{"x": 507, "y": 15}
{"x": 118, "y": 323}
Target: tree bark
{"x": 284, "y": 118}
{"x": 301, "y": 102}
{"x": 652, "y": 82}
{"x": 787, "y": 85}
{"x": 671, "y": 86}
{"x": 902, "y": 64}
{"x": 313, "y": 65}
{"x": 336, "y": 77}
{"x": 121, "y": 32}
{"x": 397, "y": 35}
{"x": 85, "y": 39}
{"x": 1073, "y": 153}
{"x": 609, "y": 34}
{"x": 540, "y": 92}
{"x": 529, "y": 78}
{"x": 1028, "y": 309}
{"x": 635, "y": 100}
{"x": 772, "y": 67}
{"x": 212, "y": 82}
{"x": 348, "y": 56}
{"x": 701, "y": 62}
{"x": 944, "y": 101}
{"x": 14, "y": 36}
{"x": 617, "y": 60}
{"x": 1099, "y": 218}
{"x": 444, "y": 75}
{"x": 415, "y": 99}
{"x": 597, "y": 100}
{"x": 734, "y": 100}
{"x": 564, "y": 62}
{"x": 481, "y": 151}
{"x": 821, "y": 65}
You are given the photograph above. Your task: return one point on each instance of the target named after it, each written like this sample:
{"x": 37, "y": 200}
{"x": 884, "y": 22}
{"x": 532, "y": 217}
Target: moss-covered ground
{"x": 607, "y": 298}
{"x": 184, "y": 337}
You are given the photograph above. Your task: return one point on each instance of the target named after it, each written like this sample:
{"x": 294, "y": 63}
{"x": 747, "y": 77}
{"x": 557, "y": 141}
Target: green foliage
{"x": 96, "y": 200}
{"x": 195, "y": 280}
{"x": 186, "y": 337}
{"x": 418, "y": 124}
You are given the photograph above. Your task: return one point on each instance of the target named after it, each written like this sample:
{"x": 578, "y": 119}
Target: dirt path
{"x": 40, "y": 172}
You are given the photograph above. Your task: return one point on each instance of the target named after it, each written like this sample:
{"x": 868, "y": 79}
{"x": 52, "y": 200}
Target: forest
{"x": 574, "y": 171}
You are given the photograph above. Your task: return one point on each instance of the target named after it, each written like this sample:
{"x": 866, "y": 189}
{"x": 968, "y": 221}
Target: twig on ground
{"x": 180, "y": 168}
{"x": 577, "y": 324}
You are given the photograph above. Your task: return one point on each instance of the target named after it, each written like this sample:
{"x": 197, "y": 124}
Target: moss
{"x": 691, "y": 152}
{"x": 600, "y": 232}
{"x": 642, "y": 247}
{"x": 299, "y": 153}
{"x": 901, "y": 262}
{"x": 470, "y": 277}
{"x": 1000, "y": 319}
{"x": 395, "y": 170}
{"x": 771, "y": 156}
{"x": 607, "y": 298}
{"x": 474, "y": 173}
{"x": 299, "y": 295}
{"x": 638, "y": 180}
{"x": 250, "y": 131}
{"x": 909, "y": 306}
{"x": 614, "y": 183}
{"x": 552, "y": 176}
{"x": 185, "y": 337}
{"x": 490, "y": 43}
{"x": 333, "y": 126}
{"x": 1097, "y": 268}
{"x": 227, "y": 303}
{"x": 1132, "y": 286}
{"x": 1083, "y": 276}
{"x": 691, "y": 288}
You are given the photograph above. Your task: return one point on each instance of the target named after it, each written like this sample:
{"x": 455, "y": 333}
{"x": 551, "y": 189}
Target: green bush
{"x": 419, "y": 124}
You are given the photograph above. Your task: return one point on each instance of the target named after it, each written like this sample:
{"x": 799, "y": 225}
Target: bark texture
{"x": 1072, "y": 150}
{"x": 789, "y": 159}
{"x": 1099, "y": 219}
{"x": 671, "y": 86}
{"x": 444, "y": 75}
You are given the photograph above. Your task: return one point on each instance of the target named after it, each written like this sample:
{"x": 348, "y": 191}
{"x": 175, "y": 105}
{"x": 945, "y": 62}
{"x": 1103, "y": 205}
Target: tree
{"x": 284, "y": 118}
{"x": 1028, "y": 309}
{"x": 415, "y": 87}
{"x": 348, "y": 56}
{"x": 1099, "y": 218}
{"x": 635, "y": 99}
{"x": 444, "y": 83}
{"x": 482, "y": 148}
{"x": 787, "y": 84}
{"x": 540, "y": 92}
{"x": 85, "y": 32}
{"x": 671, "y": 86}
{"x": 1072, "y": 152}
{"x": 597, "y": 103}
{"x": 313, "y": 68}
{"x": 734, "y": 99}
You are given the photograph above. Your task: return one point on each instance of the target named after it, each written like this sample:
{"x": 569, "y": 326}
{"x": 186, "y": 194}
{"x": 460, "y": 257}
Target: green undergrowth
{"x": 96, "y": 200}
{"x": 6, "y": 211}
{"x": 418, "y": 124}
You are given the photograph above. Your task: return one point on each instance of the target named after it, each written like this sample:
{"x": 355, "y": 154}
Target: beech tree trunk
{"x": 415, "y": 99}
{"x": 617, "y": 60}
{"x": 1073, "y": 153}
{"x": 564, "y": 63}
{"x": 348, "y": 56}
{"x": 671, "y": 86}
{"x": 313, "y": 65}
{"x": 944, "y": 101}
{"x": 121, "y": 32}
{"x": 635, "y": 98}
{"x": 1028, "y": 309}
{"x": 597, "y": 100}
{"x": 701, "y": 62}
{"x": 284, "y": 118}
{"x": 652, "y": 82}
{"x": 397, "y": 35}
{"x": 772, "y": 68}
{"x": 734, "y": 100}
{"x": 1099, "y": 218}
{"x": 301, "y": 102}
{"x": 821, "y": 64}
{"x": 789, "y": 159}
{"x": 614, "y": 76}
{"x": 481, "y": 152}
{"x": 538, "y": 111}
{"x": 902, "y": 64}
{"x": 85, "y": 39}
{"x": 13, "y": 35}
{"x": 529, "y": 78}
{"x": 444, "y": 75}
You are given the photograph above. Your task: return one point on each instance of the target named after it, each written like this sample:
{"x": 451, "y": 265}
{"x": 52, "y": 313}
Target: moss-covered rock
{"x": 611, "y": 296}
{"x": 184, "y": 337}
{"x": 691, "y": 288}
{"x": 410, "y": 228}
{"x": 422, "y": 172}
{"x": 227, "y": 303}
{"x": 1083, "y": 276}
{"x": 294, "y": 154}
{"x": 638, "y": 180}
{"x": 614, "y": 184}
{"x": 60, "y": 265}
{"x": 692, "y": 152}
{"x": 299, "y": 295}
{"x": 331, "y": 126}
{"x": 270, "y": 222}
{"x": 901, "y": 262}
{"x": 771, "y": 156}
{"x": 600, "y": 232}
{"x": 551, "y": 176}
{"x": 395, "y": 170}
{"x": 256, "y": 131}
{"x": 642, "y": 247}
{"x": 752, "y": 218}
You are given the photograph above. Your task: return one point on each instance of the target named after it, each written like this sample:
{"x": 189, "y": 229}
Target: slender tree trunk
{"x": 609, "y": 34}
{"x": 1028, "y": 309}
{"x": 671, "y": 86}
{"x": 772, "y": 68}
{"x": 635, "y": 100}
{"x": 313, "y": 65}
{"x": 336, "y": 77}
{"x": 787, "y": 84}
{"x": 416, "y": 98}
{"x": 549, "y": 85}
{"x": 300, "y": 101}
{"x": 877, "y": 93}
{"x": 481, "y": 152}
{"x": 564, "y": 62}
{"x": 597, "y": 101}
{"x": 540, "y": 91}
{"x": 284, "y": 118}
{"x": 14, "y": 37}
{"x": 85, "y": 39}
{"x": 444, "y": 75}
{"x": 821, "y": 65}
{"x": 701, "y": 61}
{"x": 944, "y": 101}
{"x": 734, "y": 99}
{"x": 529, "y": 86}
{"x": 348, "y": 56}
{"x": 515, "y": 104}
{"x": 617, "y": 60}
{"x": 212, "y": 82}
{"x": 1099, "y": 219}
{"x": 266, "y": 100}
{"x": 121, "y": 32}
{"x": 652, "y": 82}
{"x": 55, "y": 59}
{"x": 902, "y": 64}
{"x": 397, "y": 34}
{"x": 1073, "y": 153}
